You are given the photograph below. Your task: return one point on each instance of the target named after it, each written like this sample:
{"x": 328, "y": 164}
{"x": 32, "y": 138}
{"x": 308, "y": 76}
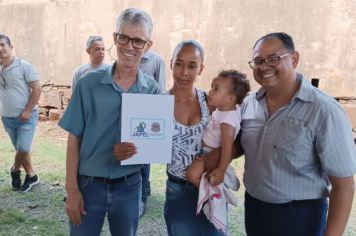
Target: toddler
{"x": 228, "y": 90}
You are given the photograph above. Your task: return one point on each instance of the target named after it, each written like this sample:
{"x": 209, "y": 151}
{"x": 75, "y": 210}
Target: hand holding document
{"x": 147, "y": 121}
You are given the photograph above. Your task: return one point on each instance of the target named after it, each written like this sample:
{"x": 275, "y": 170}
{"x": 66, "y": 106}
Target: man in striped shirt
{"x": 298, "y": 147}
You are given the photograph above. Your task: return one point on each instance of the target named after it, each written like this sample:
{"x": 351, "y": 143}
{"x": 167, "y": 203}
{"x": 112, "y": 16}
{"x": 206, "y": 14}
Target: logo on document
{"x": 147, "y": 128}
{"x": 139, "y": 130}
{"x": 156, "y": 127}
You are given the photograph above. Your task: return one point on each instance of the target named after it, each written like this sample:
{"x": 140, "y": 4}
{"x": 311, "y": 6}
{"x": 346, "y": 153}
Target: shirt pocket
{"x": 294, "y": 140}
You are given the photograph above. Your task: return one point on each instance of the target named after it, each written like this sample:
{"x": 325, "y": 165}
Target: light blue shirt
{"x": 14, "y": 98}
{"x": 153, "y": 65}
{"x": 82, "y": 70}
{"x": 290, "y": 153}
{"x": 94, "y": 115}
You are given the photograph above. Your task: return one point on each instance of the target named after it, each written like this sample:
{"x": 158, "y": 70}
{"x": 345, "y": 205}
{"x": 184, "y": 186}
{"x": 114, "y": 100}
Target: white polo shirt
{"x": 15, "y": 94}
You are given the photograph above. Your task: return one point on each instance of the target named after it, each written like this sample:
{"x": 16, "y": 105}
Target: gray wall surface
{"x": 52, "y": 33}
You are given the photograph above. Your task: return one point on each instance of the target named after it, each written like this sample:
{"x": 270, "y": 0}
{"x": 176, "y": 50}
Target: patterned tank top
{"x": 188, "y": 140}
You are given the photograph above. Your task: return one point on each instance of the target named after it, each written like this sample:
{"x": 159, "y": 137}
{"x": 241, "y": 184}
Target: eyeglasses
{"x": 124, "y": 39}
{"x": 271, "y": 61}
{"x": 2, "y": 81}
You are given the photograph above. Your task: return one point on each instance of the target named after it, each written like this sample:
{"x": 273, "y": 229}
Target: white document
{"x": 147, "y": 121}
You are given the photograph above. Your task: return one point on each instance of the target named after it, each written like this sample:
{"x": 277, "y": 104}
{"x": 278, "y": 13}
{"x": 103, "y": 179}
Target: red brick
{"x": 55, "y": 114}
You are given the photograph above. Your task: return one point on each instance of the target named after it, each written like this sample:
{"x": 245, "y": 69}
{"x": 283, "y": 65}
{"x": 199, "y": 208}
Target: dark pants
{"x": 146, "y": 188}
{"x": 295, "y": 218}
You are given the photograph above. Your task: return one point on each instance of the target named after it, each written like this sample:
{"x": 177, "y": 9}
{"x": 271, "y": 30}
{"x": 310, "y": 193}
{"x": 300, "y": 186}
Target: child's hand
{"x": 200, "y": 158}
{"x": 216, "y": 176}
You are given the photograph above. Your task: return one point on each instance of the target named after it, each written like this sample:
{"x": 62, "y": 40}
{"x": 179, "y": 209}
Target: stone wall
{"x": 52, "y": 33}
{"x": 53, "y": 101}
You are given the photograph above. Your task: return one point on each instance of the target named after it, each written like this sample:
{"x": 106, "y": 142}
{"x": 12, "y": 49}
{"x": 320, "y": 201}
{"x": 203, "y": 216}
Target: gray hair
{"x": 136, "y": 17}
{"x": 6, "y": 38}
{"x": 92, "y": 39}
{"x": 190, "y": 42}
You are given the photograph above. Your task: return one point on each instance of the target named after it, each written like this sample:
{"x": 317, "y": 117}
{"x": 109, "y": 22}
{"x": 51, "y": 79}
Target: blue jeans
{"x": 146, "y": 188}
{"x": 180, "y": 212}
{"x": 21, "y": 133}
{"x": 295, "y": 218}
{"x": 119, "y": 201}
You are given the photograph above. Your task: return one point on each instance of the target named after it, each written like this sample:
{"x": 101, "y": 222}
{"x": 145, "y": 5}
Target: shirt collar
{"x": 304, "y": 93}
{"x": 107, "y": 78}
{"x": 15, "y": 62}
{"x": 140, "y": 78}
{"x": 260, "y": 94}
{"x": 146, "y": 55}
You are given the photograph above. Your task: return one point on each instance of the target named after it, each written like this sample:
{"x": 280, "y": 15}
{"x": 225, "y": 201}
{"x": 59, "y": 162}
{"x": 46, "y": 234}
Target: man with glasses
{"x": 96, "y": 50}
{"x": 20, "y": 91}
{"x": 97, "y": 185}
{"x": 298, "y": 147}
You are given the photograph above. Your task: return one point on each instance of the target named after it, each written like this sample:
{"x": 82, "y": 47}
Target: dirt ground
{"x": 51, "y": 130}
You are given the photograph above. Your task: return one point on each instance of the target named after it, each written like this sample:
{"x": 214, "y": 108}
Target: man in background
{"x": 96, "y": 50}
{"x": 153, "y": 65}
{"x": 20, "y": 91}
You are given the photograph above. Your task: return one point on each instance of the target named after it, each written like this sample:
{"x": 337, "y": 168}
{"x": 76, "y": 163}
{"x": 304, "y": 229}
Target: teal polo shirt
{"x": 94, "y": 115}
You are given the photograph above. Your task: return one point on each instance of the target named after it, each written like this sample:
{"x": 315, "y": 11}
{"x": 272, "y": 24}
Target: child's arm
{"x": 195, "y": 171}
{"x": 211, "y": 160}
{"x": 227, "y": 144}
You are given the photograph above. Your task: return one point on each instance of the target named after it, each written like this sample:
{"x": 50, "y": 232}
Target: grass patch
{"x": 41, "y": 211}
{"x": 15, "y": 222}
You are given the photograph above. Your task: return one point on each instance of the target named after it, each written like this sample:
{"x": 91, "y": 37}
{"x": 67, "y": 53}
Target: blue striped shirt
{"x": 290, "y": 153}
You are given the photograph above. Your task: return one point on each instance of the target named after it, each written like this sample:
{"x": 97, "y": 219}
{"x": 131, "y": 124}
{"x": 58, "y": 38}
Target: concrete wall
{"x": 52, "y": 33}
